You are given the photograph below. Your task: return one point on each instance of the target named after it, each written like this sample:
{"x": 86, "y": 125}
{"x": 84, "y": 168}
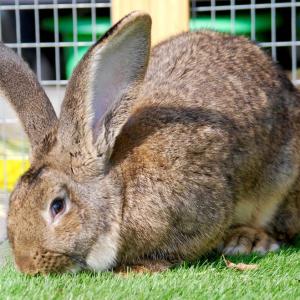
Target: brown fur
{"x": 206, "y": 142}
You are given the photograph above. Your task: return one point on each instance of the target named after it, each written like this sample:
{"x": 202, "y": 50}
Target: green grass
{"x": 278, "y": 277}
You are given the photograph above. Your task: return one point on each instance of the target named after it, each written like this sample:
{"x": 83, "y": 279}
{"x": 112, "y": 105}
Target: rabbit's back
{"x": 229, "y": 81}
{"x": 205, "y": 68}
{"x": 224, "y": 83}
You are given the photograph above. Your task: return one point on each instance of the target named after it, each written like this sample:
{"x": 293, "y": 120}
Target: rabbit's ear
{"x": 99, "y": 95}
{"x": 20, "y": 87}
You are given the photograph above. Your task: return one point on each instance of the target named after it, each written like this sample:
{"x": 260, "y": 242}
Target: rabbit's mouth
{"x": 45, "y": 262}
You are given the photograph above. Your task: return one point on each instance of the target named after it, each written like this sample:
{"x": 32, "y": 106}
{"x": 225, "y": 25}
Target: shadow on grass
{"x": 215, "y": 259}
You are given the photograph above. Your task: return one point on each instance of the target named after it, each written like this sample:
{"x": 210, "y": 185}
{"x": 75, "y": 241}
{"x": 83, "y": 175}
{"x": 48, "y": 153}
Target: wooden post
{"x": 169, "y": 17}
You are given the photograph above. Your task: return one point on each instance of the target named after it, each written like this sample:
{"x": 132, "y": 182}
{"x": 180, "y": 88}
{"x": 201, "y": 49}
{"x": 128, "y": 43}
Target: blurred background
{"x": 52, "y": 35}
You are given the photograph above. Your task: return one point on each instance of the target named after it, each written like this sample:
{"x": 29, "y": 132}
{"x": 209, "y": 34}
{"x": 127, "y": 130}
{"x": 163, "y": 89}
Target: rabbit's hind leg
{"x": 285, "y": 226}
{"x": 257, "y": 207}
{"x": 246, "y": 240}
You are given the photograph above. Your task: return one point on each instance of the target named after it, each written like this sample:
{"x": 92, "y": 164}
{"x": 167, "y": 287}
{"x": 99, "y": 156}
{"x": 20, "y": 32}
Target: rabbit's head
{"x": 68, "y": 199}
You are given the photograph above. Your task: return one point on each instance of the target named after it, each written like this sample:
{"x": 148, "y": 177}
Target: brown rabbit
{"x": 152, "y": 164}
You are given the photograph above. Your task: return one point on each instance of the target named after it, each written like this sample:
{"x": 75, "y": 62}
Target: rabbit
{"x": 158, "y": 156}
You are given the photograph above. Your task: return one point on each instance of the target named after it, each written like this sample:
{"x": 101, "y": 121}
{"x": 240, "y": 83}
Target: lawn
{"x": 278, "y": 277}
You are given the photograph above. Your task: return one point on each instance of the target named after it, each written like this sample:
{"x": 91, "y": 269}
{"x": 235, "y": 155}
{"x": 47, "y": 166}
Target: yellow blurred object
{"x": 13, "y": 161}
{"x": 10, "y": 171}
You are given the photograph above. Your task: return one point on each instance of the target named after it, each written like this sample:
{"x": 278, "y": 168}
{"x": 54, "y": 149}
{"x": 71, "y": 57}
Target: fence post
{"x": 169, "y": 17}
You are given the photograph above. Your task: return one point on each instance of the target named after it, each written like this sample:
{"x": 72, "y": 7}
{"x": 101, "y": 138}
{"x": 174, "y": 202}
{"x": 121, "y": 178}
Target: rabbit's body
{"x": 225, "y": 131}
{"x": 201, "y": 150}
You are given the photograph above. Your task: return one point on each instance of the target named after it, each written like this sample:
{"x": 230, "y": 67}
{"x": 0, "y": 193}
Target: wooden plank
{"x": 169, "y": 17}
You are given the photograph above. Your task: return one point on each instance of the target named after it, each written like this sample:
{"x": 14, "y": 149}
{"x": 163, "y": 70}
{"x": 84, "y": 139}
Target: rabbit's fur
{"x": 201, "y": 151}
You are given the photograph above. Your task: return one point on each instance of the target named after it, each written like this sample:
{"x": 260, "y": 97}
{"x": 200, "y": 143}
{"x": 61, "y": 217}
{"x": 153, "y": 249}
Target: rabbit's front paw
{"x": 144, "y": 266}
{"x": 246, "y": 240}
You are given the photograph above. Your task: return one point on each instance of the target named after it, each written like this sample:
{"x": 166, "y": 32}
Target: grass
{"x": 278, "y": 277}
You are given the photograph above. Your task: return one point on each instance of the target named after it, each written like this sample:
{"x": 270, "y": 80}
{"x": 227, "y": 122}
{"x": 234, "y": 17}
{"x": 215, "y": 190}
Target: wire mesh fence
{"x": 273, "y": 24}
{"x": 52, "y": 35}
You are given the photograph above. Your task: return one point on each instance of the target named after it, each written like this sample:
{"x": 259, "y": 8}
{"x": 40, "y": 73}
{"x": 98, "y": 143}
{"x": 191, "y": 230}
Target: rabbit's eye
{"x": 57, "y": 206}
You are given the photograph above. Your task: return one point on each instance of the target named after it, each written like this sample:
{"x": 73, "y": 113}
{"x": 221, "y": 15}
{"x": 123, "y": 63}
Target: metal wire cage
{"x": 52, "y": 35}
{"x": 273, "y": 24}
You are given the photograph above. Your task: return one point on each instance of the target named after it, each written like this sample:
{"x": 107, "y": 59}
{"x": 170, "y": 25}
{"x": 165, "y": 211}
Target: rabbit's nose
{"x": 26, "y": 264}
